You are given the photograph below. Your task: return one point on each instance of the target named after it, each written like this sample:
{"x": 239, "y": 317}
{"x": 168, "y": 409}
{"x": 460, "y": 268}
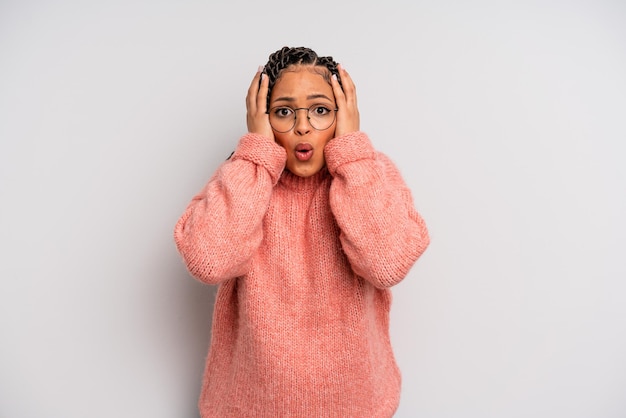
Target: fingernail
{"x": 260, "y": 70}
{"x": 335, "y": 77}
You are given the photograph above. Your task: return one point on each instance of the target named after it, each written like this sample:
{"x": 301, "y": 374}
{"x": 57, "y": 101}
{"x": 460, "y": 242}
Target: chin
{"x": 304, "y": 172}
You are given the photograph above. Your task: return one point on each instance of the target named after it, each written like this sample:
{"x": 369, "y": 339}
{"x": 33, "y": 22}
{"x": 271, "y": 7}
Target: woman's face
{"x": 302, "y": 87}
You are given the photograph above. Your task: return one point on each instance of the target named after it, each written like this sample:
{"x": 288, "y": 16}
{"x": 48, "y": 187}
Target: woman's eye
{"x": 283, "y": 112}
{"x": 320, "y": 110}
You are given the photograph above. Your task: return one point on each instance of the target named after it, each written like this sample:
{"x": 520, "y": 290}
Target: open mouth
{"x": 304, "y": 152}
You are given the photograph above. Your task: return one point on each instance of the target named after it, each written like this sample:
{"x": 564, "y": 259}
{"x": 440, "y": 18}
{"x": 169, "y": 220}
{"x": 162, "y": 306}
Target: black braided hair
{"x": 287, "y": 56}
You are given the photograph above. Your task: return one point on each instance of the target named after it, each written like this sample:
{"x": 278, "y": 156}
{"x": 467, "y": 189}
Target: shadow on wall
{"x": 193, "y": 312}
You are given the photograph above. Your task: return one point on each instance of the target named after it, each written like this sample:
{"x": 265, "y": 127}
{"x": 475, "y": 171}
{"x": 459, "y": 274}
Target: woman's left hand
{"x": 348, "y": 113}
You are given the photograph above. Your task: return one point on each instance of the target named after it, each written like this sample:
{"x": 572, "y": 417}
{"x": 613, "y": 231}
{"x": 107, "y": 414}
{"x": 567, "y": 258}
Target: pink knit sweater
{"x": 301, "y": 319}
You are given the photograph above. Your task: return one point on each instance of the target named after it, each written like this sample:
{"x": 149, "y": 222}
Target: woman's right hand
{"x": 256, "y": 106}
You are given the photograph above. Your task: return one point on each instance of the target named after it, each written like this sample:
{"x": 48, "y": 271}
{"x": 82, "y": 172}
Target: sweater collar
{"x": 297, "y": 183}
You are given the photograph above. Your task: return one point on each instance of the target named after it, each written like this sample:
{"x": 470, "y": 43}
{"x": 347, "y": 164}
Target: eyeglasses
{"x": 283, "y": 118}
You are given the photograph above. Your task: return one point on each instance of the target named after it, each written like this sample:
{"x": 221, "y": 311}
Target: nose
{"x": 303, "y": 126}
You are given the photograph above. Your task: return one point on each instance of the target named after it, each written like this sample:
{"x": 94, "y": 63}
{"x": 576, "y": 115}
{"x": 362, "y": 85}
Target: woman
{"x": 305, "y": 228}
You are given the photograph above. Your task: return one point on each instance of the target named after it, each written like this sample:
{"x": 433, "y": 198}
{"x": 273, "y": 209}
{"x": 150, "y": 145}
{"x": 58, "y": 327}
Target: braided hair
{"x": 287, "y": 56}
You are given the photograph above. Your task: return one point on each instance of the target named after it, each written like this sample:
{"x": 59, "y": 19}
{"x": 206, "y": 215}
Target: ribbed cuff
{"x": 348, "y": 148}
{"x": 262, "y": 151}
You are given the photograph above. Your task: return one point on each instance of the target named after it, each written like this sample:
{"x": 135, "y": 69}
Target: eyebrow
{"x": 309, "y": 97}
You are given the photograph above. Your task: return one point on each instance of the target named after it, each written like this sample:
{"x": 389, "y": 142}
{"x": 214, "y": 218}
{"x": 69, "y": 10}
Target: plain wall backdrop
{"x": 507, "y": 120}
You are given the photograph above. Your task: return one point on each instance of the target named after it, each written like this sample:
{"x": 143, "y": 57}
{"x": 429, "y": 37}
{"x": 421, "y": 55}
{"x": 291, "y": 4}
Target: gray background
{"x": 506, "y": 119}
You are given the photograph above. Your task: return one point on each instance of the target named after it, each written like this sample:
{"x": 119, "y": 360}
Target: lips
{"x": 304, "y": 151}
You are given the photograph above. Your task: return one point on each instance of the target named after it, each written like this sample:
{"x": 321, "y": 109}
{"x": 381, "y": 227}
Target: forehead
{"x": 301, "y": 81}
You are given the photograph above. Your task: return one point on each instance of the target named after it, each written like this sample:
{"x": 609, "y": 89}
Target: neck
{"x": 292, "y": 181}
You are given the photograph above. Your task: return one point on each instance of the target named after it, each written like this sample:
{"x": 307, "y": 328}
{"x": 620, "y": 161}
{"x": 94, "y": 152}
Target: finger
{"x": 348, "y": 85}
{"x": 348, "y": 116}
{"x": 253, "y": 91}
{"x": 262, "y": 94}
{"x": 340, "y": 96}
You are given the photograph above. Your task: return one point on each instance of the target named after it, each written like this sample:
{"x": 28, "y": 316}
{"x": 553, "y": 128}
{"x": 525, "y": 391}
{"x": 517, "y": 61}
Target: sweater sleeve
{"x": 381, "y": 232}
{"x": 222, "y": 226}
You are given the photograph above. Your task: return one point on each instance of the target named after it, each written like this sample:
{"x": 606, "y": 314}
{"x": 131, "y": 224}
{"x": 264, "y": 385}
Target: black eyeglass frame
{"x": 295, "y": 117}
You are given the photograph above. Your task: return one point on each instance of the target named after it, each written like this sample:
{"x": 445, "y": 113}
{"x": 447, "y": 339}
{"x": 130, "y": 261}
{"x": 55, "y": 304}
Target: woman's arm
{"x": 222, "y": 226}
{"x": 381, "y": 232}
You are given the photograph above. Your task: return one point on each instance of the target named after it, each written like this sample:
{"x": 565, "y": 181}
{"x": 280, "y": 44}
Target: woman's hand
{"x": 256, "y": 104}
{"x": 348, "y": 113}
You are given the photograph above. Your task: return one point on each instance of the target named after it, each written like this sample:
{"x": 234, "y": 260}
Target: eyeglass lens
{"x": 283, "y": 118}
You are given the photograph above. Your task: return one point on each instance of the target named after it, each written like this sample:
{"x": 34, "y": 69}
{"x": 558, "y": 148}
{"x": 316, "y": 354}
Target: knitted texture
{"x": 304, "y": 266}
